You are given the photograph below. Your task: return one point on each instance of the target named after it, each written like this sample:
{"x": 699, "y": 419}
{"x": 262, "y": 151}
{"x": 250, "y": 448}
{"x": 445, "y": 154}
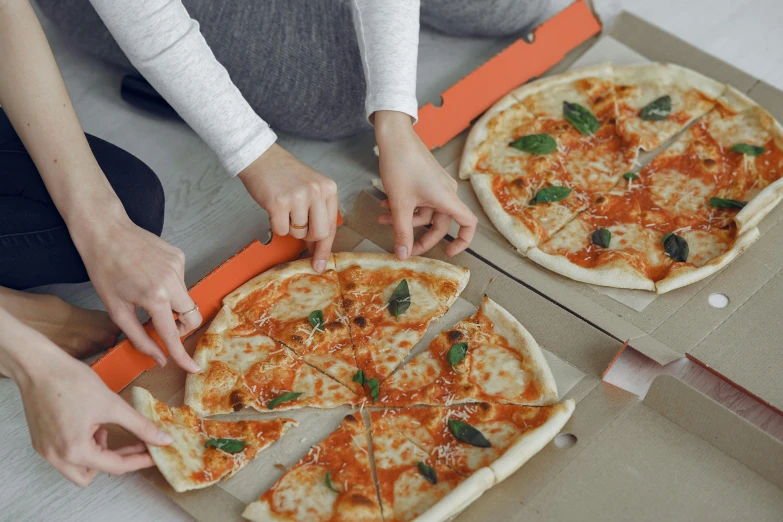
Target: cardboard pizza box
{"x": 741, "y": 341}
{"x": 676, "y": 455}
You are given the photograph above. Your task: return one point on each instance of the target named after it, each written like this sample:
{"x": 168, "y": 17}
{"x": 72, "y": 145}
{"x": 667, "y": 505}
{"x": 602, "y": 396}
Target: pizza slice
{"x": 390, "y": 304}
{"x": 467, "y": 438}
{"x": 244, "y": 368}
{"x": 302, "y": 309}
{"x": 333, "y": 482}
{"x": 655, "y": 101}
{"x": 204, "y": 451}
{"x": 412, "y": 482}
{"x": 488, "y": 357}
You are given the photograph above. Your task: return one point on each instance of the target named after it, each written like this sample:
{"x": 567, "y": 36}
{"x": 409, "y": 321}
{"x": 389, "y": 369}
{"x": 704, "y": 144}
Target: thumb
{"x": 402, "y": 221}
{"x": 139, "y": 425}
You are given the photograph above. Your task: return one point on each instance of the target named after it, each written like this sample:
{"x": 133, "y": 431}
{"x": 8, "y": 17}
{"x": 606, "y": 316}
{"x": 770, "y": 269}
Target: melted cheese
{"x": 303, "y": 494}
{"x": 421, "y": 371}
{"x": 498, "y": 372}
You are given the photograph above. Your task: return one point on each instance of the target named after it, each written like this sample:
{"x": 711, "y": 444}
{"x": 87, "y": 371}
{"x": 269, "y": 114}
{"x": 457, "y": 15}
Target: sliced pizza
{"x": 655, "y": 101}
{"x": 488, "y": 357}
{"x": 243, "y": 368}
{"x": 204, "y": 451}
{"x": 302, "y": 309}
{"x": 467, "y": 438}
{"x": 390, "y": 304}
{"x": 333, "y": 482}
{"x": 415, "y": 485}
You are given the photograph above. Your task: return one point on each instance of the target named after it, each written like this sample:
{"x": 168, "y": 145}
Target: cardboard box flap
{"x": 725, "y": 430}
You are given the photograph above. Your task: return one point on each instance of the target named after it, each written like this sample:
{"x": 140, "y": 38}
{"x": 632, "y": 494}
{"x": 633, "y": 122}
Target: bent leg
{"x": 296, "y": 62}
{"x": 35, "y": 246}
{"x": 488, "y": 18}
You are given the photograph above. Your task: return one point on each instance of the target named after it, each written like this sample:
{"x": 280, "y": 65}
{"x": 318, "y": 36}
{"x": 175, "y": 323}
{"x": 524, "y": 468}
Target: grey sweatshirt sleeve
{"x": 388, "y": 35}
{"x": 164, "y": 43}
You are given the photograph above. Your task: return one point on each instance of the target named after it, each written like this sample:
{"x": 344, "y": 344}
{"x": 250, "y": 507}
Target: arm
{"x": 65, "y": 404}
{"x": 127, "y": 265}
{"x": 420, "y": 191}
{"x": 164, "y": 43}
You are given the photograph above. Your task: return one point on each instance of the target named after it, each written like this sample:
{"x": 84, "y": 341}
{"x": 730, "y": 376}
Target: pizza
{"x": 333, "y": 482}
{"x": 242, "y": 367}
{"x": 411, "y": 482}
{"x": 554, "y": 165}
{"x": 390, "y": 304}
{"x": 488, "y": 357}
{"x": 468, "y": 438}
{"x": 302, "y": 309}
{"x": 204, "y": 451}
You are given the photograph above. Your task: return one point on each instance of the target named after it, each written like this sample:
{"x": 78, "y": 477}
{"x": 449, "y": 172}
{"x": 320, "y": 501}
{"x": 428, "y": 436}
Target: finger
{"x": 467, "y": 222}
{"x": 113, "y": 463}
{"x": 167, "y": 330}
{"x": 131, "y": 449}
{"x": 385, "y": 204}
{"x": 123, "y": 415}
{"x": 318, "y": 219}
{"x": 299, "y": 218}
{"x": 402, "y": 221}
{"x": 323, "y": 248}
{"x": 439, "y": 228}
{"x": 188, "y": 316}
{"x": 102, "y": 438}
{"x": 129, "y": 323}
{"x": 279, "y": 220}
{"x": 77, "y": 474}
{"x": 420, "y": 219}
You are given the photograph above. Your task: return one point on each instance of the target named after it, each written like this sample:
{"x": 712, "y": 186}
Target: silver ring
{"x": 183, "y": 314}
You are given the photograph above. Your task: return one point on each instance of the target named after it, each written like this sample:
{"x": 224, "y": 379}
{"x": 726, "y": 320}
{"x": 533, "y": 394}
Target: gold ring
{"x": 299, "y": 227}
{"x": 183, "y": 314}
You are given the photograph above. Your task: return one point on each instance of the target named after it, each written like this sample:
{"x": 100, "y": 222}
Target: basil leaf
{"x": 630, "y": 176}
{"x": 550, "y": 195}
{"x": 286, "y": 397}
{"x": 748, "y": 150}
{"x": 329, "y": 481}
{"x": 726, "y": 203}
{"x": 581, "y": 118}
{"x": 541, "y": 144}
{"x": 457, "y": 353}
{"x": 374, "y": 386}
{"x": 227, "y": 445}
{"x": 657, "y": 110}
{"x": 317, "y": 320}
{"x": 428, "y": 473}
{"x": 400, "y": 299}
{"x": 676, "y": 247}
{"x": 467, "y": 433}
{"x": 601, "y": 237}
{"x": 360, "y": 377}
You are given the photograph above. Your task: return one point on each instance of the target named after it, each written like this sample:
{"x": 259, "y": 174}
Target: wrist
{"x": 22, "y": 350}
{"x": 391, "y": 123}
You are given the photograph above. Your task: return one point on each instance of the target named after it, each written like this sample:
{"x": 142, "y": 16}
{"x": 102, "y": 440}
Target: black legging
{"x": 35, "y": 246}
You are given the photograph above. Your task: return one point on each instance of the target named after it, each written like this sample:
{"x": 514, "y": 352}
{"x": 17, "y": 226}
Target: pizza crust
{"x": 460, "y": 497}
{"x": 521, "y": 237}
{"x": 274, "y": 275}
{"x": 688, "y": 275}
{"x": 601, "y": 70}
{"x": 614, "y": 273}
{"x": 540, "y": 371}
{"x": 530, "y": 443}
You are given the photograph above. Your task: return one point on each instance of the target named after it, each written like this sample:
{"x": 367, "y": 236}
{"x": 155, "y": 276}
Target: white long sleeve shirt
{"x": 166, "y": 46}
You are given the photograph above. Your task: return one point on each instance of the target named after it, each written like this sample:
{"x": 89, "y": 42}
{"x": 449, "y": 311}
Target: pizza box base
{"x": 740, "y": 342}
{"x": 676, "y": 455}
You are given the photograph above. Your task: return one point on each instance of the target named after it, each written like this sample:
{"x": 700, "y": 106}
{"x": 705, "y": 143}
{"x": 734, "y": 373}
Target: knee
{"x": 492, "y": 18}
{"x": 136, "y": 184}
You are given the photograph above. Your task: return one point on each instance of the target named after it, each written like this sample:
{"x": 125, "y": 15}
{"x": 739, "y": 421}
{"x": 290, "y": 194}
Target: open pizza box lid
{"x": 740, "y": 342}
{"x": 676, "y": 455}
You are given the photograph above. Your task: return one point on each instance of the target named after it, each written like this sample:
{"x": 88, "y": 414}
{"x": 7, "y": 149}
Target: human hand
{"x": 131, "y": 267}
{"x": 420, "y": 192}
{"x": 295, "y": 194}
{"x": 66, "y": 404}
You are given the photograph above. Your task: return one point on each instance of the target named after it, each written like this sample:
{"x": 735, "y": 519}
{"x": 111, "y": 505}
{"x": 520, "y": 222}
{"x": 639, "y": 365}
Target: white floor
{"x": 209, "y": 217}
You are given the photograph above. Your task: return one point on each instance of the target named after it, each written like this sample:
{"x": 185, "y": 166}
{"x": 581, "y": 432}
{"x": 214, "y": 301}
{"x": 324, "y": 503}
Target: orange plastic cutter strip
{"x": 512, "y": 67}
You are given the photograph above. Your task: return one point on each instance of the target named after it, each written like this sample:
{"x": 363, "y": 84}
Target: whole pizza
{"x": 556, "y": 166}
{"x": 429, "y": 434}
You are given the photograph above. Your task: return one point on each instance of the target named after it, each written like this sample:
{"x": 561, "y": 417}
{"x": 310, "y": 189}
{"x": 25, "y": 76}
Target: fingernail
{"x": 161, "y": 361}
{"x": 320, "y": 265}
{"x": 195, "y": 367}
{"x": 401, "y": 251}
{"x": 164, "y": 437}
